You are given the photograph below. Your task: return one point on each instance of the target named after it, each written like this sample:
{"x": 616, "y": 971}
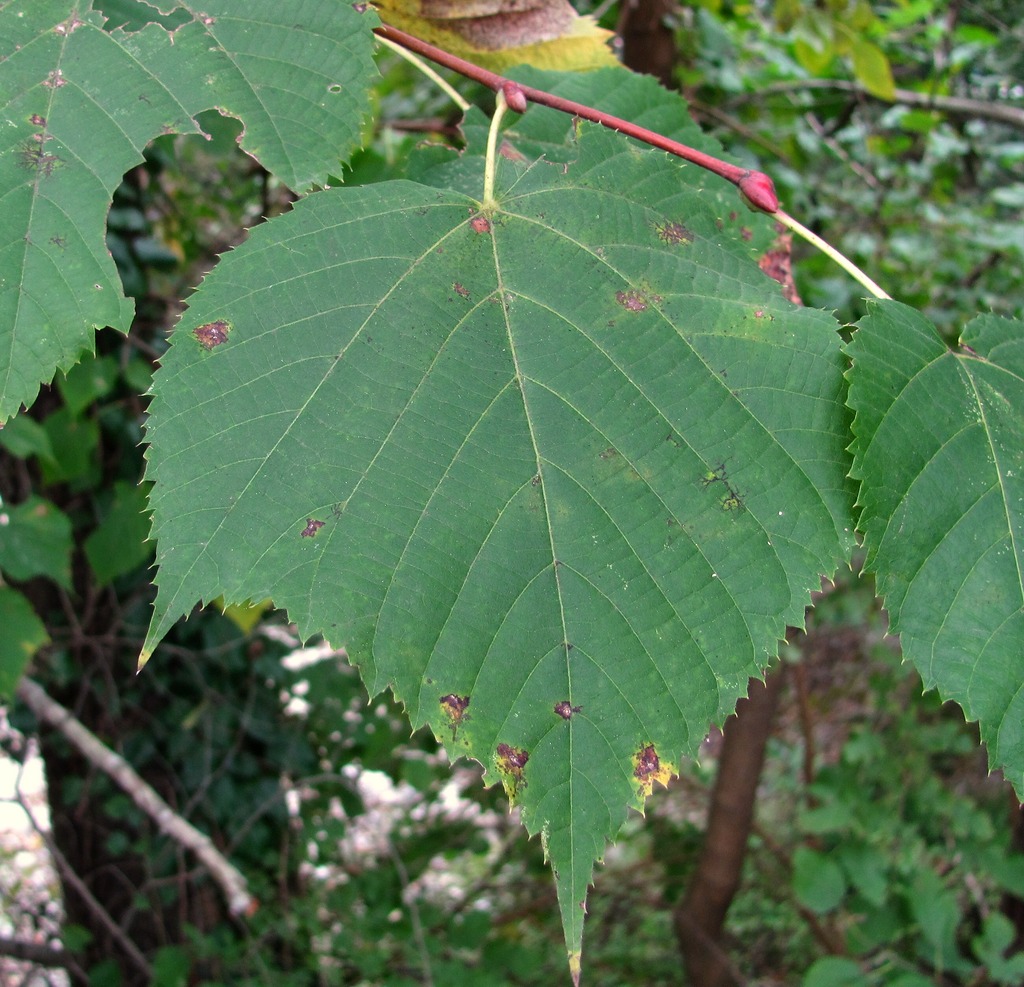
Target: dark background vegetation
{"x": 871, "y": 846}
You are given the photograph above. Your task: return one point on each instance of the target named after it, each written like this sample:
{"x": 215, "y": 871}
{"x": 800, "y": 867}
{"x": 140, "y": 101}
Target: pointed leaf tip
{"x": 575, "y": 966}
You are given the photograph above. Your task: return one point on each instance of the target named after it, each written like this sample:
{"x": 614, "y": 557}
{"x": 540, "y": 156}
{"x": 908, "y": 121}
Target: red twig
{"x": 756, "y": 187}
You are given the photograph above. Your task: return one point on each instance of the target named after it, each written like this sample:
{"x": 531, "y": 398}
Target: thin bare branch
{"x": 35, "y": 952}
{"x": 71, "y": 879}
{"x": 230, "y": 879}
{"x": 956, "y": 105}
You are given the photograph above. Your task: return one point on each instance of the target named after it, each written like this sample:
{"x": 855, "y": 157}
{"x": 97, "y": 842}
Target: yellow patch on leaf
{"x": 498, "y": 34}
{"x": 648, "y": 769}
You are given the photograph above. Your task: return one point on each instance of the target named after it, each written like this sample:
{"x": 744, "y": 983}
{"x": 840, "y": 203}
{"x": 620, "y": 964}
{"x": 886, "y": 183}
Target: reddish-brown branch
{"x": 756, "y": 187}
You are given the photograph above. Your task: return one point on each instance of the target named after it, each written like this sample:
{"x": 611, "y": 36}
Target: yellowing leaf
{"x": 501, "y": 33}
{"x": 245, "y": 616}
{"x": 871, "y": 67}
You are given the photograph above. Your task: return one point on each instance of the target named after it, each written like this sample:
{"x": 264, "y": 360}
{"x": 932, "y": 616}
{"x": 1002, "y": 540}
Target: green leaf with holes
{"x": 558, "y": 471}
{"x": 939, "y": 450}
{"x": 67, "y": 136}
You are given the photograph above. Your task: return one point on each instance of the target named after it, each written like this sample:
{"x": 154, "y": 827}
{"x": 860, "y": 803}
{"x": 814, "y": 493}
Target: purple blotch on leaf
{"x": 631, "y": 301}
{"x": 212, "y": 334}
{"x": 455, "y": 706}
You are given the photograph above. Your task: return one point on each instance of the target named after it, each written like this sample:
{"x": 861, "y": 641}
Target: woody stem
{"x": 755, "y": 186}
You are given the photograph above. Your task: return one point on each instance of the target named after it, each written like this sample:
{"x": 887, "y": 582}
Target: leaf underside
{"x": 69, "y": 135}
{"x": 559, "y": 473}
{"x": 500, "y": 34}
{"x": 939, "y": 448}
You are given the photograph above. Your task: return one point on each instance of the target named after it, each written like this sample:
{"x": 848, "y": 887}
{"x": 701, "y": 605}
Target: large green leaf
{"x": 939, "y": 448}
{"x": 80, "y": 103}
{"x": 559, "y": 472}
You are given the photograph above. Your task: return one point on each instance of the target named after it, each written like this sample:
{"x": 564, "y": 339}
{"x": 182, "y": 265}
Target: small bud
{"x": 515, "y": 99}
{"x": 759, "y": 190}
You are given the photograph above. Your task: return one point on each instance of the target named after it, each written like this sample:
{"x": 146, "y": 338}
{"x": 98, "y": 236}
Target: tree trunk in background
{"x": 648, "y": 40}
{"x": 700, "y": 916}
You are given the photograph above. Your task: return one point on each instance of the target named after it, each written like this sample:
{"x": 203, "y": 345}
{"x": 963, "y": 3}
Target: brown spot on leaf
{"x": 777, "y": 263}
{"x": 312, "y": 527}
{"x": 37, "y": 120}
{"x": 55, "y": 79}
{"x": 454, "y": 707}
{"x": 647, "y": 768}
{"x": 632, "y": 301}
{"x": 460, "y": 289}
{"x": 671, "y": 232}
{"x": 508, "y": 152}
{"x": 565, "y": 710}
{"x": 360, "y": 8}
{"x": 480, "y": 224}
{"x": 512, "y": 760}
{"x": 212, "y": 334}
{"x": 646, "y": 762}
